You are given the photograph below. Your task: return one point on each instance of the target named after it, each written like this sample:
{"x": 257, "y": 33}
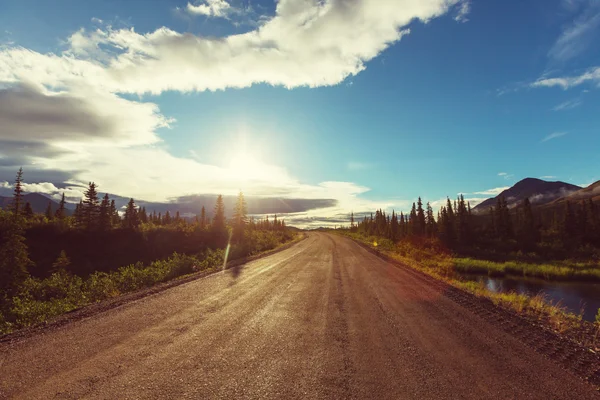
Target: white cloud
{"x": 493, "y": 192}
{"x": 548, "y": 177}
{"x": 463, "y": 11}
{"x": 578, "y": 35}
{"x": 33, "y": 114}
{"x": 307, "y": 43}
{"x": 591, "y": 75}
{"x": 568, "y": 105}
{"x": 65, "y": 112}
{"x": 554, "y": 135}
{"x": 210, "y": 8}
{"x": 505, "y": 175}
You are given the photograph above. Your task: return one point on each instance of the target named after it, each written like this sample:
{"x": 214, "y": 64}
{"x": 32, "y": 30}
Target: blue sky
{"x": 370, "y": 103}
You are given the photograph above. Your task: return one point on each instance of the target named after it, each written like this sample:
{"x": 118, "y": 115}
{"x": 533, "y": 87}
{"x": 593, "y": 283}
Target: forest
{"x": 54, "y": 262}
{"x": 522, "y": 232}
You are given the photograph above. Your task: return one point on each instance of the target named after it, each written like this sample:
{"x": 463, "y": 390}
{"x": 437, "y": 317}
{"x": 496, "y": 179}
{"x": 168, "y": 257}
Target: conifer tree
{"x": 203, "y": 220}
{"x": 14, "y": 260}
{"x": 114, "y": 214}
{"x": 61, "y": 212}
{"x": 167, "y": 219}
{"x": 18, "y": 194}
{"x": 431, "y": 226}
{"x": 78, "y": 215}
{"x": 131, "y": 219}
{"x": 62, "y": 262}
{"x": 28, "y": 211}
{"x": 143, "y": 215}
{"x": 412, "y": 222}
{"x": 90, "y": 206}
{"x": 462, "y": 222}
{"x": 105, "y": 215}
{"x": 49, "y": 214}
{"x": 420, "y": 218}
{"x": 218, "y": 226}
{"x": 240, "y": 218}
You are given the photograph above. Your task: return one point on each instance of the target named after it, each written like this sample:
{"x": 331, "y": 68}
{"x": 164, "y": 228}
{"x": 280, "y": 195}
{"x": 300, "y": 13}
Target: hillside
{"x": 538, "y": 191}
{"x": 591, "y": 192}
{"x": 38, "y": 202}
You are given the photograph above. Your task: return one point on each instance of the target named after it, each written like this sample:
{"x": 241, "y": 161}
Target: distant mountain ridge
{"x": 538, "y": 191}
{"x": 591, "y": 192}
{"x": 38, "y": 202}
{"x": 189, "y": 205}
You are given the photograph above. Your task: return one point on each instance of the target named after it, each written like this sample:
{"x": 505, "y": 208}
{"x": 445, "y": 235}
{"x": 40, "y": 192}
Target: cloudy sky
{"x": 369, "y": 103}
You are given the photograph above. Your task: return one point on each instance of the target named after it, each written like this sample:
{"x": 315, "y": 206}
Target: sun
{"x": 246, "y": 167}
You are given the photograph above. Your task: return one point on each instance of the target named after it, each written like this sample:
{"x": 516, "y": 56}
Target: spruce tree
{"x": 105, "y": 216}
{"x": 28, "y": 211}
{"x": 49, "y": 214}
{"x": 203, "y": 220}
{"x": 61, "y": 212}
{"x": 430, "y": 222}
{"x": 62, "y": 262}
{"x": 240, "y": 218}
{"x": 412, "y": 222}
{"x": 420, "y": 218}
{"x": 17, "y": 202}
{"x": 218, "y": 226}
{"x": 90, "y": 207}
{"x": 114, "y": 214}
{"x": 131, "y": 219}
{"x": 14, "y": 260}
{"x": 78, "y": 215}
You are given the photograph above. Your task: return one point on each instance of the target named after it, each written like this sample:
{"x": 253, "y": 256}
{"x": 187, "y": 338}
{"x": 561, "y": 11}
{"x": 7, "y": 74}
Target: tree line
{"x": 99, "y": 237}
{"x": 505, "y": 227}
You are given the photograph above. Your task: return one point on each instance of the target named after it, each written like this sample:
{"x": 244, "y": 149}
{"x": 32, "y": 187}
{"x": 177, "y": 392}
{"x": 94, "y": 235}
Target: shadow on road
{"x": 235, "y": 272}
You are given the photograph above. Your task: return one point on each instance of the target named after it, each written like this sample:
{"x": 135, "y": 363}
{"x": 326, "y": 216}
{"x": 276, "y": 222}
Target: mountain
{"x": 38, "y": 202}
{"x": 538, "y": 191}
{"x": 191, "y": 205}
{"x": 590, "y": 192}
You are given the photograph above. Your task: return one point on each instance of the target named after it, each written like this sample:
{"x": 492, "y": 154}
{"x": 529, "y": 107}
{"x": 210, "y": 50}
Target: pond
{"x": 572, "y": 295}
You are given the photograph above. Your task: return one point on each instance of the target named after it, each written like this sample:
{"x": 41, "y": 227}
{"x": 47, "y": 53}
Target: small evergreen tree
{"x": 28, "y": 211}
{"x": 420, "y": 225}
{"x": 240, "y": 218}
{"x": 49, "y": 214}
{"x": 203, "y": 218}
{"x": 61, "y": 212}
{"x": 105, "y": 217}
{"x": 18, "y": 194}
{"x": 114, "y": 214}
{"x": 218, "y": 226}
{"x": 62, "y": 262}
{"x": 91, "y": 208}
{"x": 14, "y": 260}
{"x": 131, "y": 219}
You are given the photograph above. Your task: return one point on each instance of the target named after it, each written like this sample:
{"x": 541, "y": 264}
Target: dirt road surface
{"x": 322, "y": 319}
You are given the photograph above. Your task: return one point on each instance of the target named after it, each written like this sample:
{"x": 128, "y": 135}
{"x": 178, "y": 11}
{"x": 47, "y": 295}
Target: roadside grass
{"x": 559, "y": 271}
{"x": 440, "y": 265}
{"x": 40, "y": 300}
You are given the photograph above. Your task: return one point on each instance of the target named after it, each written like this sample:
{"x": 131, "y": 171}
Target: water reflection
{"x": 573, "y": 295}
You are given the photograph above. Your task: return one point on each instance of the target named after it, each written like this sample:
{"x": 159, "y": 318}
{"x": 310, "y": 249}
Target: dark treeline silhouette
{"x": 573, "y": 231}
{"x": 98, "y": 237}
